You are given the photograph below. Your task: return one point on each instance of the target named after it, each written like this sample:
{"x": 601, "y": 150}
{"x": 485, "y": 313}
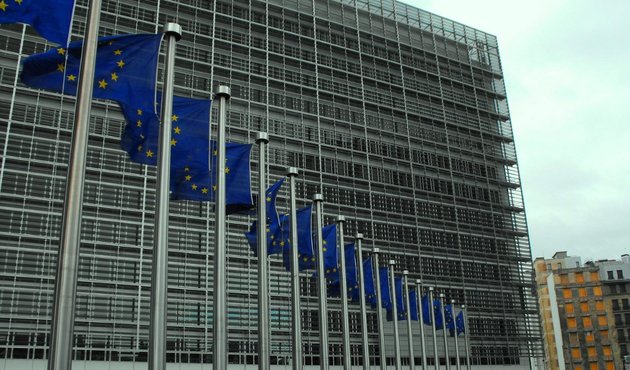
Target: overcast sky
{"x": 567, "y": 70}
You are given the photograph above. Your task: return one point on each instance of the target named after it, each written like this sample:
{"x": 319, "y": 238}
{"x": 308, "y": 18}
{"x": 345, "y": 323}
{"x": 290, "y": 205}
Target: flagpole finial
{"x": 392, "y": 262}
{"x": 359, "y": 236}
{"x": 173, "y": 29}
{"x": 442, "y": 295}
{"x": 262, "y": 137}
{"x": 431, "y": 288}
{"x": 318, "y": 198}
{"x": 376, "y": 250}
{"x": 341, "y": 218}
{"x": 452, "y": 301}
{"x": 463, "y": 306}
{"x": 405, "y": 272}
{"x": 292, "y": 171}
{"x": 223, "y": 91}
{"x": 419, "y": 281}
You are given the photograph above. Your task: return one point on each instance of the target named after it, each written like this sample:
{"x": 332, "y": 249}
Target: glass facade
{"x": 398, "y": 116}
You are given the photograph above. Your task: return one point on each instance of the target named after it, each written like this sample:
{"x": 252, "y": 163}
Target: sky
{"x": 566, "y": 65}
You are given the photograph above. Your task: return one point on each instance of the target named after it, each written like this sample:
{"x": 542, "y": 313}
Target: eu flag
{"x": 459, "y": 323}
{"x": 437, "y": 310}
{"x": 413, "y": 305}
{"x": 306, "y": 255}
{"x": 51, "y": 19}
{"x": 331, "y": 261}
{"x": 273, "y": 229}
{"x": 196, "y": 180}
{"x": 368, "y": 280}
{"x": 426, "y": 313}
{"x": 126, "y": 66}
{"x": 448, "y": 317}
{"x": 400, "y": 303}
{"x": 352, "y": 281}
{"x": 190, "y": 135}
{"x": 386, "y": 299}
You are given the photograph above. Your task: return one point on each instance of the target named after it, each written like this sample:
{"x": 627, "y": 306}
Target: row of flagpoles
{"x": 200, "y": 174}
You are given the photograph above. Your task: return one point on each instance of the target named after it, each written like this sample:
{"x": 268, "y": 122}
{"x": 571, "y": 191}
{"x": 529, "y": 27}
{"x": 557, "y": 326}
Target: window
{"x": 587, "y": 322}
{"x": 575, "y": 354}
{"x": 569, "y": 308}
{"x": 619, "y": 274}
{"x": 599, "y": 306}
{"x": 594, "y": 276}
{"x": 607, "y": 351}
{"x": 566, "y": 293}
{"x": 589, "y": 337}
{"x": 571, "y": 323}
{"x": 579, "y": 277}
{"x": 602, "y": 321}
{"x": 598, "y": 291}
{"x": 582, "y": 292}
{"x": 584, "y": 307}
{"x": 592, "y": 352}
{"x": 610, "y": 275}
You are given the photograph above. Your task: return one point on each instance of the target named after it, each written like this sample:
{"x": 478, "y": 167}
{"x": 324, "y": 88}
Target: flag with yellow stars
{"x": 459, "y": 323}
{"x": 448, "y": 317}
{"x": 125, "y": 70}
{"x": 400, "y": 303}
{"x": 275, "y": 241}
{"x": 190, "y": 132}
{"x": 386, "y": 298}
{"x": 51, "y": 19}
{"x": 368, "y": 280}
{"x": 196, "y": 180}
{"x": 306, "y": 255}
{"x": 331, "y": 258}
{"x": 352, "y": 281}
{"x": 413, "y": 305}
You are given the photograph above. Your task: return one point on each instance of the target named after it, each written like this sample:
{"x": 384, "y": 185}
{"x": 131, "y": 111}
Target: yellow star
{"x": 214, "y": 188}
{"x": 3, "y": 6}
{"x": 268, "y": 199}
{"x": 214, "y": 152}
{"x": 117, "y": 52}
{"x": 139, "y": 123}
{"x": 102, "y": 84}
{"x": 324, "y": 242}
{"x": 139, "y": 148}
{"x": 19, "y": 2}
{"x": 194, "y": 187}
{"x": 114, "y": 76}
{"x": 60, "y": 51}
{"x": 282, "y": 244}
{"x": 174, "y": 118}
{"x": 149, "y": 153}
{"x": 313, "y": 259}
{"x": 324, "y": 249}
{"x": 120, "y": 63}
{"x": 177, "y": 130}
{"x": 305, "y": 259}
{"x": 72, "y": 78}
{"x": 188, "y": 177}
{"x": 60, "y": 67}
{"x": 204, "y": 190}
{"x": 173, "y": 142}
{"x": 187, "y": 169}
{"x": 227, "y": 170}
{"x": 139, "y": 112}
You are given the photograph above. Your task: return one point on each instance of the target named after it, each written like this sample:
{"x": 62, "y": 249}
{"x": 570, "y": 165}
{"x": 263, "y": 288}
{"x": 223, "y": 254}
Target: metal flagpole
{"x": 421, "y": 321}
{"x": 466, "y": 339}
{"x": 446, "y": 355}
{"x": 220, "y": 304}
{"x": 457, "y": 362}
{"x": 62, "y": 330}
{"x": 292, "y": 173}
{"x": 379, "y": 310}
{"x": 364, "y": 333}
{"x": 412, "y": 363}
{"x": 392, "y": 289}
{"x": 318, "y": 199}
{"x": 262, "y": 139}
{"x": 432, "y": 312}
{"x": 344, "y": 294}
{"x": 159, "y": 272}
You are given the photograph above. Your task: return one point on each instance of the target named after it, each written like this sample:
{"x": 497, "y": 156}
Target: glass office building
{"x": 398, "y": 116}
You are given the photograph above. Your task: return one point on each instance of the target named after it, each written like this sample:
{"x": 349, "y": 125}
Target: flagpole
{"x": 412, "y": 363}
{"x": 457, "y": 362}
{"x": 62, "y": 327}
{"x": 159, "y": 269}
{"x": 446, "y": 355}
{"x": 318, "y": 199}
{"x": 262, "y": 139}
{"x": 344, "y": 295}
{"x": 220, "y": 304}
{"x": 364, "y": 333}
{"x": 292, "y": 173}
{"x": 392, "y": 287}
{"x": 466, "y": 339}
{"x": 379, "y": 311}
{"x": 421, "y": 321}
{"x": 432, "y": 311}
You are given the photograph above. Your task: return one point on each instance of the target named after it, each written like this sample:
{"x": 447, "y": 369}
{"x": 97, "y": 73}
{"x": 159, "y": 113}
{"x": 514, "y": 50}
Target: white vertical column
{"x": 379, "y": 309}
{"x": 262, "y": 139}
{"x": 344, "y": 294}
{"x": 318, "y": 199}
{"x": 408, "y": 307}
{"x": 364, "y": 332}
{"x": 392, "y": 289}
{"x": 296, "y": 339}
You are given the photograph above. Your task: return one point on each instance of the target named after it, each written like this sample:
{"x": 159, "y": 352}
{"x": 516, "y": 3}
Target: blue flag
{"x": 190, "y": 135}
{"x": 386, "y": 299}
{"x": 352, "y": 281}
{"x": 368, "y": 280}
{"x": 197, "y": 179}
{"x": 448, "y": 317}
{"x": 400, "y": 303}
{"x": 306, "y": 255}
{"x": 437, "y": 309}
{"x": 459, "y": 323}
{"x": 51, "y": 19}
{"x": 273, "y": 224}
{"x": 413, "y": 305}
{"x": 126, "y": 67}
{"x": 331, "y": 261}
{"x": 426, "y": 307}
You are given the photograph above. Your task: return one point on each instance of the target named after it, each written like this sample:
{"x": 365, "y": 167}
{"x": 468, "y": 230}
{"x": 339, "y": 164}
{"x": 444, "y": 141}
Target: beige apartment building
{"x": 577, "y": 321}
